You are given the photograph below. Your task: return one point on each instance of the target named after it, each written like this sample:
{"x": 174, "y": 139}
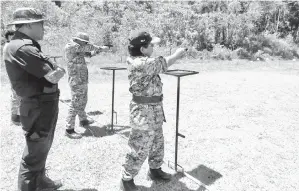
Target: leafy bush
{"x": 283, "y": 48}
{"x": 222, "y": 53}
{"x": 214, "y": 29}
{"x": 242, "y": 53}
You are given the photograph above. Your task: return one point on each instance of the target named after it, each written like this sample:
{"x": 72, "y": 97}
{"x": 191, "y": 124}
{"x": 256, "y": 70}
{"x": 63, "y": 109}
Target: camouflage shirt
{"x": 144, "y": 75}
{"x": 145, "y": 81}
{"x": 76, "y": 65}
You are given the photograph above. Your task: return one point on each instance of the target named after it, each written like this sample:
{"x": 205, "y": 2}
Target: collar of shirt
{"x": 20, "y": 35}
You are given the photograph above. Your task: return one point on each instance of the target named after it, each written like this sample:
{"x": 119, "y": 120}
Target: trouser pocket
{"x": 29, "y": 113}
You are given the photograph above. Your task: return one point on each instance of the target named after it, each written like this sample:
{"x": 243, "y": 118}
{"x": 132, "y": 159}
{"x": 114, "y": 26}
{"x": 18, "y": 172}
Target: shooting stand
{"x": 178, "y": 168}
{"x": 113, "y": 84}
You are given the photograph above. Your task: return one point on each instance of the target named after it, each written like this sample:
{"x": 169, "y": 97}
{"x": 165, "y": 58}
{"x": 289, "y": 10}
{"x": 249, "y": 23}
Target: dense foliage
{"x": 246, "y": 29}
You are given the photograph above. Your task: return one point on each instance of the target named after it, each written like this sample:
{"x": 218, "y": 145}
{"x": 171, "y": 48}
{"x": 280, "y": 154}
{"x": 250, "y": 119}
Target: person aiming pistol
{"x": 77, "y": 70}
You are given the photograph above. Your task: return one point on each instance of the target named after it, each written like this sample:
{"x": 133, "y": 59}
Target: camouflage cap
{"x": 82, "y": 37}
{"x": 143, "y": 38}
{"x": 26, "y": 15}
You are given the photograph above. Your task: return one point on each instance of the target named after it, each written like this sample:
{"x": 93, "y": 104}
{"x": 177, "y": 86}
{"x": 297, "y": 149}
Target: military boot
{"x": 44, "y": 183}
{"x": 86, "y": 122}
{"x": 158, "y": 174}
{"x": 128, "y": 185}
{"x": 73, "y": 134}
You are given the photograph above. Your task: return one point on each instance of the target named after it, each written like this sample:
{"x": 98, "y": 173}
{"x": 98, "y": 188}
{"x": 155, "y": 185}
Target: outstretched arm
{"x": 175, "y": 56}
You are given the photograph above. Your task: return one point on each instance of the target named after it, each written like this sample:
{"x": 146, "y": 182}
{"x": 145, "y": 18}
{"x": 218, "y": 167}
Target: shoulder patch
{"x": 27, "y": 41}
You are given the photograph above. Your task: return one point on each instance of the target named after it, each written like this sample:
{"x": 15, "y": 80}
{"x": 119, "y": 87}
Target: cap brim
{"x": 80, "y": 39}
{"x": 26, "y": 21}
{"x": 155, "y": 40}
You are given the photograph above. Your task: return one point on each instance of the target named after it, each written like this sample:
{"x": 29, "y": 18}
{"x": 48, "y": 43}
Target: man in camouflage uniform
{"x": 15, "y": 99}
{"x": 146, "y": 109}
{"x": 75, "y": 53}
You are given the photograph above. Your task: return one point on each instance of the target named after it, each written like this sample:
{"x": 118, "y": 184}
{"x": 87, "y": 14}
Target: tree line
{"x": 246, "y": 27}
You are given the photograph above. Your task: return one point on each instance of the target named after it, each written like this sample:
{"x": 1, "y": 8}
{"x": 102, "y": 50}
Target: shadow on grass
{"x": 174, "y": 185}
{"x": 205, "y": 174}
{"x": 96, "y": 131}
{"x": 94, "y": 113}
{"x": 202, "y": 173}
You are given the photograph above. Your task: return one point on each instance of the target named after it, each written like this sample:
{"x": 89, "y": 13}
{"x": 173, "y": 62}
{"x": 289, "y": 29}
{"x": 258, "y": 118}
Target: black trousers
{"x": 38, "y": 117}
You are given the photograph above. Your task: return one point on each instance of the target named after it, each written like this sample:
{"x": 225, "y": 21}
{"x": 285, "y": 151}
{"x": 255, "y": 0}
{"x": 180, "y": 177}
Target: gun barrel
{"x": 109, "y": 45}
{"x": 55, "y": 56}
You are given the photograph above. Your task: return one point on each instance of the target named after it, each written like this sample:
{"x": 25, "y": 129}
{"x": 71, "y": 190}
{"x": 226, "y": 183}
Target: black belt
{"x": 144, "y": 99}
{"x": 52, "y": 89}
{"x": 44, "y": 97}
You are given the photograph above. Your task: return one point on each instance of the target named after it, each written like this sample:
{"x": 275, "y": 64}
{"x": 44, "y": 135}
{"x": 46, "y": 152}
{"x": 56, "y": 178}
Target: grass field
{"x": 240, "y": 119}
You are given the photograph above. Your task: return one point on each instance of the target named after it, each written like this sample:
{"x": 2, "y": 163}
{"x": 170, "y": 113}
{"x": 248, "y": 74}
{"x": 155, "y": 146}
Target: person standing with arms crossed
{"x": 35, "y": 79}
{"x": 75, "y": 52}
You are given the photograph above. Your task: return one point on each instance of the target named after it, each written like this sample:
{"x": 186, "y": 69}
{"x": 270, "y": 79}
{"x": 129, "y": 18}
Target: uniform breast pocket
{"x": 29, "y": 112}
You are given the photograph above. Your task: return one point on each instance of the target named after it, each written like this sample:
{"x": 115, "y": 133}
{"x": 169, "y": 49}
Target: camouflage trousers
{"x": 15, "y": 103}
{"x": 146, "y": 139}
{"x": 78, "y": 103}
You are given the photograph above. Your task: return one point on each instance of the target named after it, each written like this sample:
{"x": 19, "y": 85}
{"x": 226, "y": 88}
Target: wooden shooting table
{"x": 113, "y": 87}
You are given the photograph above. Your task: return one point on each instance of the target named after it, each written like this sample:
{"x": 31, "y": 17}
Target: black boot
{"x": 43, "y": 182}
{"x": 86, "y": 122}
{"x": 128, "y": 185}
{"x": 158, "y": 174}
{"x": 72, "y": 134}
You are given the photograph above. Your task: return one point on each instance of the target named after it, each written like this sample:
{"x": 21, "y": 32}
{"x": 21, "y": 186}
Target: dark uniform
{"x": 26, "y": 67}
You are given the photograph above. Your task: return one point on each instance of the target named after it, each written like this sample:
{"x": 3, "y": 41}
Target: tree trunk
{"x": 278, "y": 20}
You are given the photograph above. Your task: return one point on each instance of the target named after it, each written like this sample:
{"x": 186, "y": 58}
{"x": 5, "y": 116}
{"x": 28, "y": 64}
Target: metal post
{"x": 177, "y": 124}
{"x": 112, "y": 112}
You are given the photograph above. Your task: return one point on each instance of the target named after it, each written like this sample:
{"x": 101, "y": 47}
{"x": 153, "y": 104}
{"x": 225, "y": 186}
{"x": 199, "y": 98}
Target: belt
{"x": 44, "y": 97}
{"x": 144, "y": 99}
{"x": 52, "y": 89}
